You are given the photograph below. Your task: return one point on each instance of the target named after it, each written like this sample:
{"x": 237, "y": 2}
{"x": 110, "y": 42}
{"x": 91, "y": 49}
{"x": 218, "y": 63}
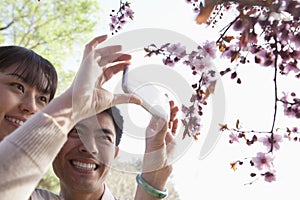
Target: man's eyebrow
{"x": 99, "y": 130}
{"x": 105, "y": 130}
{"x": 79, "y": 125}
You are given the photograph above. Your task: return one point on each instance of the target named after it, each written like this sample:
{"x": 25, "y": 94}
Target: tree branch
{"x": 7, "y": 26}
{"x": 275, "y": 92}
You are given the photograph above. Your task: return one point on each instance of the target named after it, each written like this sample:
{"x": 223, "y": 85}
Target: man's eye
{"x": 74, "y": 132}
{"x": 106, "y": 137}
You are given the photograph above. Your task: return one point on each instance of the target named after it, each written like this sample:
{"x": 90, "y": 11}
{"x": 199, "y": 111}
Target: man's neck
{"x": 68, "y": 194}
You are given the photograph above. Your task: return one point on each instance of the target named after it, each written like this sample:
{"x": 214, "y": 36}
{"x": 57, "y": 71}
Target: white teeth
{"x": 84, "y": 166}
{"x": 19, "y": 122}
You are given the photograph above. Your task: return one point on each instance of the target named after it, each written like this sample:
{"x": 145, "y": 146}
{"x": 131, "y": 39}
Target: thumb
{"x": 157, "y": 128}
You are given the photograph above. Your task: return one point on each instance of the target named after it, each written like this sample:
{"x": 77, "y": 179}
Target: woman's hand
{"x": 86, "y": 96}
{"x": 97, "y": 67}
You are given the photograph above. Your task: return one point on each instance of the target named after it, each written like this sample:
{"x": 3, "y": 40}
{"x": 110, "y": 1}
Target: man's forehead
{"x": 100, "y": 121}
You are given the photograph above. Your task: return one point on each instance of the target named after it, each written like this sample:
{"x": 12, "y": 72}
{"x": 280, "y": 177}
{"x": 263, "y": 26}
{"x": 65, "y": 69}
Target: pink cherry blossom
{"x": 233, "y": 138}
{"x": 291, "y": 66}
{"x": 262, "y": 160}
{"x": 268, "y": 141}
{"x": 168, "y": 61}
{"x": 202, "y": 64}
{"x": 128, "y": 12}
{"x": 114, "y": 19}
{"x": 209, "y": 49}
{"x": 191, "y": 120}
{"x": 270, "y": 176}
{"x": 177, "y": 49}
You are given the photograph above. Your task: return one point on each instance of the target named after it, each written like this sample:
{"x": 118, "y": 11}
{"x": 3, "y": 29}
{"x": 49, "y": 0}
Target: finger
{"x": 174, "y": 112}
{"x": 126, "y": 98}
{"x": 109, "y": 50}
{"x": 158, "y": 125}
{"x": 169, "y": 138}
{"x": 104, "y": 60}
{"x": 170, "y": 124}
{"x": 110, "y": 71}
{"x": 94, "y": 42}
{"x": 123, "y": 57}
{"x": 174, "y": 126}
{"x": 171, "y": 102}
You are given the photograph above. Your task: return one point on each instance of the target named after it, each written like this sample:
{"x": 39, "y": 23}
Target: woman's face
{"x": 18, "y": 101}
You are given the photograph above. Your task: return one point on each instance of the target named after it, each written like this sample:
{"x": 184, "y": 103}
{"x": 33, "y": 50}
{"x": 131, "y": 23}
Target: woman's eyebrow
{"x": 17, "y": 76}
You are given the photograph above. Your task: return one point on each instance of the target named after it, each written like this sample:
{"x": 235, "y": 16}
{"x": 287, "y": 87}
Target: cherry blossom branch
{"x": 277, "y": 46}
{"x": 227, "y": 28}
{"x": 119, "y": 18}
{"x": 275, "y": 93}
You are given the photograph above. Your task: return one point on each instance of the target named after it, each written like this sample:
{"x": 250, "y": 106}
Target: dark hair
{"x": 36, "y": 70}
{"x": 115, "y": 114}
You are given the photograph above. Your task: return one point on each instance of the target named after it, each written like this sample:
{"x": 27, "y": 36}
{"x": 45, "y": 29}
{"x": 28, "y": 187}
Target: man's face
{"x": 84, "y": 161}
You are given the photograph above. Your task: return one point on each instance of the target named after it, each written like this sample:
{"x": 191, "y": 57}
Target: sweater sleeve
{"x": 26, "y": 154}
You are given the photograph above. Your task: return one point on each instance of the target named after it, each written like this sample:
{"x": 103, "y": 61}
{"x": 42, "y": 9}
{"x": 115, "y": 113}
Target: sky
{"x": 252, "y": 103}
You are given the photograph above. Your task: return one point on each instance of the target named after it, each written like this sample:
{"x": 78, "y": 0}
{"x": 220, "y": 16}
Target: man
{"x": 83, "y": 163}
{"x": 82, "y": 173}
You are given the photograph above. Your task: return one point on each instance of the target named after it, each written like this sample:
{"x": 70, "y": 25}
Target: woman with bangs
{"x": 27, "y": 83}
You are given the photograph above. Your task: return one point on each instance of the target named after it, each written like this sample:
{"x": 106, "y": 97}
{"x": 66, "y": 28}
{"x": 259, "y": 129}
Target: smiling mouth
{"x": 16, "y": 121}
{"x": 84, "y": 166}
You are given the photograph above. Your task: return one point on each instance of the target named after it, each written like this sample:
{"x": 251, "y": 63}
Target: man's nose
{"x": 88, "y": 145}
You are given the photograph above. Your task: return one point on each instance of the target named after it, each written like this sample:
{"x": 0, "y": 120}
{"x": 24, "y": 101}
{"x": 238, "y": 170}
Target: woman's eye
{"x": 19, "y": 86}
{"x": 44, "y": 99}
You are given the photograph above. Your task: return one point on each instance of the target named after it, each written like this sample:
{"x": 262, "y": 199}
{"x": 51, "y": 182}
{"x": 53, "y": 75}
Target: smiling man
{"x": 83, "y": 163}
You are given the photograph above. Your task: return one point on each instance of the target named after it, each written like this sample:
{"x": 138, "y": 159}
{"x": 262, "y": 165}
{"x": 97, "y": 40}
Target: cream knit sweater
{"x": 26, "y": 154}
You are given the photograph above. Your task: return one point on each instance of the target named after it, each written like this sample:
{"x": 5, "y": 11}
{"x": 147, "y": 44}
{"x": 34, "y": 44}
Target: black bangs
{"x": 34, "y": 69}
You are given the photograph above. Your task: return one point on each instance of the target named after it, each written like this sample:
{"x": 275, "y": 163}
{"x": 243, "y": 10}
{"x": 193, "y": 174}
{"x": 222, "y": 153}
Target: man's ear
{"x": 116, "y": 151}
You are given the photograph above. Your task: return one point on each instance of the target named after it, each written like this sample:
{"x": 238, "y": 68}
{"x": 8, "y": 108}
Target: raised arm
{"x": 160, "y": 145}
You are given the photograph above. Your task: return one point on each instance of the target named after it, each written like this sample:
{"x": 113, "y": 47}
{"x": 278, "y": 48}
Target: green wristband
{"x": 149, "y": 189}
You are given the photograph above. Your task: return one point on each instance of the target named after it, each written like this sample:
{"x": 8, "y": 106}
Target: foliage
{"x": 50, "y": 182}
{"x": 124, "y": 188}
{"x": 51, "y": 28}
{"x": 264, "y": 33}
{"x": 48, "y": 27}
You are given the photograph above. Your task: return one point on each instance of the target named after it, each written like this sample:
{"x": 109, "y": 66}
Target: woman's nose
{"x": 29, "y": 104}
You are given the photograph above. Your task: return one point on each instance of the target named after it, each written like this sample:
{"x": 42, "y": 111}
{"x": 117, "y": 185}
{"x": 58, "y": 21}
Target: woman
{"x": 27, "y": 83}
